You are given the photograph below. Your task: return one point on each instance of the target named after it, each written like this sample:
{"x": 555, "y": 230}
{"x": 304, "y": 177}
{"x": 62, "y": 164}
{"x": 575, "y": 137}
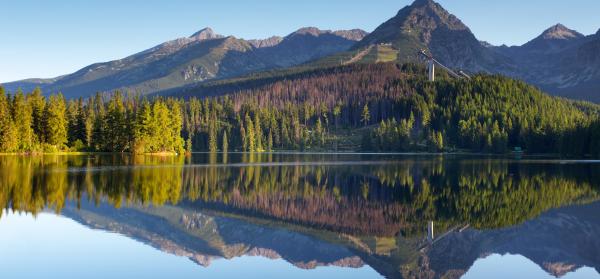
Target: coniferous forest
{"x": 378, "y": 107}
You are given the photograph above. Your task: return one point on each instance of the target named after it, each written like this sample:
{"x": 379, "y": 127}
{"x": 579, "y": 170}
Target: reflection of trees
{"x": 363, "y": 199}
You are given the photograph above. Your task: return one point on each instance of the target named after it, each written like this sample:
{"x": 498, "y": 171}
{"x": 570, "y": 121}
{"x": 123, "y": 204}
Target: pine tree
{"x": 38, "y": 105}
{"x": 161, "y": 122}
{"x": 175, "y": 126}
{"x": 56, "y": 125}
{"x": 319, "y": 133}
{"x": 244, "y": 138}
{"x": 337, "y": 111}
{"x": 9, "y": 141}
{"x": 188, "y": 145}
{"x": 21, "y": 113}
{"x": 144, "y": 130}
{"x": 250, "y": 137}
{"x": 99, "y": 124}
{"x": 116, "y": 133}
{"x": 270, "y": 141}
{"x": 72, "y": 116}
{"x": 212, "y": 135}
{"x": 258, "y": 133}
{"x": 365, "y": 115}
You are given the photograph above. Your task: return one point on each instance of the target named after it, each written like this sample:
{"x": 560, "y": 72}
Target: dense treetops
{"x": 392, "y": 107}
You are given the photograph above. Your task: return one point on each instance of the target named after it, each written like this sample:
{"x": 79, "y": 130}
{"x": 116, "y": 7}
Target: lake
{"x": 294, "y": 215}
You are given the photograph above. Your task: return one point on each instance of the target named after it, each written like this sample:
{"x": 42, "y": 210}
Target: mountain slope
{"x": 203, "y": 56}
{"x": 427, "y": 25}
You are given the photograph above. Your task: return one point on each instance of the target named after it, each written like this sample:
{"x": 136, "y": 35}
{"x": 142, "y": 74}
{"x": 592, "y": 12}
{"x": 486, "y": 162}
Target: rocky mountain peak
{"x": 206, "y": 34}
{"x": 560, "y": 32}
{"x": 268, "y": 42}
{"x": 353, "y": 35}
{"x": 421, "y": 3}
{"x": 415, "y": 25}
{"x": 428, "y": 14}
{"x": 314, "y": 31}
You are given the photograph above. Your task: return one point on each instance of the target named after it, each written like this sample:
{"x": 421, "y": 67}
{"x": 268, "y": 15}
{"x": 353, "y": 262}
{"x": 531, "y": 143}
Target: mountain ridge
{"x": 560, "y": 60}
{"x": 205, "y": 55}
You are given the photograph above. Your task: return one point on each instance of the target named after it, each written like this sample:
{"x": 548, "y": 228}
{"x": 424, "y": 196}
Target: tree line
{"x": 380, "y": 107}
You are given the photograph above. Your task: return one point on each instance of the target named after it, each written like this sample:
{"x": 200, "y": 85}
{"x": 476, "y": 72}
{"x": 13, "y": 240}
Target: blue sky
{"x": 41, "y": 38}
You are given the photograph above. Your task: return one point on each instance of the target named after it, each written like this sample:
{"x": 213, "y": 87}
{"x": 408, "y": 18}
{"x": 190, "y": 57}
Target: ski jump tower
{"x": 431, "y": 64}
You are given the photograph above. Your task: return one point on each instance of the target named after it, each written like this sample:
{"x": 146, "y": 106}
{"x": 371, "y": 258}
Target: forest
{"x": 379, "y": 107}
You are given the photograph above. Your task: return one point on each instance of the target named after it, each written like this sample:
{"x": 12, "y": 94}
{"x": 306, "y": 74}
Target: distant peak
{"x": 486, "y": 44}
{"x": 206, "y": 34}
{"x": 560, "y": 32}
{"x": 353, "y": 34}
{"x": 268, "y": 42}
{"x": 309, "y": 31}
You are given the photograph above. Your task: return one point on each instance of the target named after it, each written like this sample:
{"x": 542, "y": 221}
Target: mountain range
{"x": 203, "y": 56}
{"x": 560, "y": 61}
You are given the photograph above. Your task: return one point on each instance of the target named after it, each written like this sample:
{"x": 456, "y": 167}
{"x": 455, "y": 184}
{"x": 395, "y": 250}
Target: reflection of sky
{"x": 516, "y": 266}
{"x": 60, "y": 247}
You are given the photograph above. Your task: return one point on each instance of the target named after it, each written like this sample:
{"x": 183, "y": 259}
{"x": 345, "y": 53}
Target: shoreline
{"x": 292, "y": 152}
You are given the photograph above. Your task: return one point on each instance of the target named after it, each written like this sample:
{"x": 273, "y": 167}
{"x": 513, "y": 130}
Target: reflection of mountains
{"x": 324, "y": 214}
{"x": 203, "y": 237}
{"x": 559, "y": 241}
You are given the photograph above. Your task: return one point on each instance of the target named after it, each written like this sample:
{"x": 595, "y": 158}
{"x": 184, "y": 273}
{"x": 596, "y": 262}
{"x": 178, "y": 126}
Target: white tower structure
{"x": 431, "y": 64}
{"x": 431, "y": 69}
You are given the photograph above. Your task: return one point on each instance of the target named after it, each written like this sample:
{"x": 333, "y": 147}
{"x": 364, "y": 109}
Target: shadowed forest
{"x": 381, "y": 107}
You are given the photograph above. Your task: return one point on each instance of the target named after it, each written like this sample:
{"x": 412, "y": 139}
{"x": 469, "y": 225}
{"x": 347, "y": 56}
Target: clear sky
{"x": 41, "y": 38}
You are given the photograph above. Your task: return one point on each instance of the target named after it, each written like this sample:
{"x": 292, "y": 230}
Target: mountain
{"x": 561, "y": 61}
{"x": 427, "y": 25}
{"x": 554, "y": 39}
{"x": 203, "y": 56}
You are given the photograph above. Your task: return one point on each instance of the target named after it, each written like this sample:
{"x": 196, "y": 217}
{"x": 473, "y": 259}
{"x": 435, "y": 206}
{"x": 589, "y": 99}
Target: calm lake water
{"x": 298, "y": 216}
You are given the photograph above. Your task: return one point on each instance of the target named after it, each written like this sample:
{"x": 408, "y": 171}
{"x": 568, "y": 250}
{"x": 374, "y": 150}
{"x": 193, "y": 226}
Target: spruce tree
{"x": 21, "y": 113}
{"x": 365, "y": 116}
{"x": 55, "y": 124}
{"x": 212, "y": 135}
{"x": 116, "y": 134}
{"x": 270, "y": 141}
{"x": 258, "y": 133}
{"x": 8, "y": 133}
{"x": 37, "y": 103}
{"x": 250, "y": 136}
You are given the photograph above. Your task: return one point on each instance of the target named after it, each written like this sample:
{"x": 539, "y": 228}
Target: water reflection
{"x": 422, "y": 217}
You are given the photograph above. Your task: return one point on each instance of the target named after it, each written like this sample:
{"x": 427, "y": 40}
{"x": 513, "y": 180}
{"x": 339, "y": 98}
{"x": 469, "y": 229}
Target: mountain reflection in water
{"x": 404, "y": 216}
